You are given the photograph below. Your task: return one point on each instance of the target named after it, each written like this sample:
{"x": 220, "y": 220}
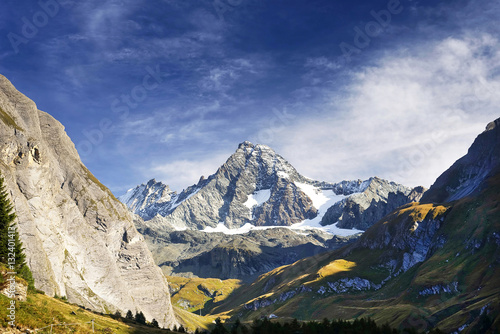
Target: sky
{"x": 343, "y": 90}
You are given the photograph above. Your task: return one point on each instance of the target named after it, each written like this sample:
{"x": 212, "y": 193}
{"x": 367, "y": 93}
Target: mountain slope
{"x": 80, "y": 241}
{"x": 424, "y": 265}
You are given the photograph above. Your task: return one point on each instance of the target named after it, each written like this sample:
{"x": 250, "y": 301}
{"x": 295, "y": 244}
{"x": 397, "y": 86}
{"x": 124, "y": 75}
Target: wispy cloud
{"x": 406, "y": 118}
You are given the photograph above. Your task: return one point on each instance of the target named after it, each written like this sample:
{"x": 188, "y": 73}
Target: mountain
{"x": 80, "y": 241}
{"x": 229, "y": 221}
{"x": 425, "y": 265}
{"x": 467, "y": 175}
{"x": 259, "y": 187}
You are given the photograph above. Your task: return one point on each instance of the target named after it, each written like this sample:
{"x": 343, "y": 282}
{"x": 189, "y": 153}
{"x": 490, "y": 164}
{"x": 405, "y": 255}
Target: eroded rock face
{"x": 362, "y": 210}
{"x": 80, "y": 241}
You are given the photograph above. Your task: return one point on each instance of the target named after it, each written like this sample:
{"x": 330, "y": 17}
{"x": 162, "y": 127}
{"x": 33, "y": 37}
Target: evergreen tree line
{"x": 139, "y": 318}
{"x": 11, "y": 248}
{"x": 266, "y": 326}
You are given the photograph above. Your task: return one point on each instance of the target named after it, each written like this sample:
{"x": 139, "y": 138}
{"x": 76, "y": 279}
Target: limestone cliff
{"x": 80, "y": 241}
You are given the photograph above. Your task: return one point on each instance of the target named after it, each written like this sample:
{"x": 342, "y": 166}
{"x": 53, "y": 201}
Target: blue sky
{"x": 343, "y": 90}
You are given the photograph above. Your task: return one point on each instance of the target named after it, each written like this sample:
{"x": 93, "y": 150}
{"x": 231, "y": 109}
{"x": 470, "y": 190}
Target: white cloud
{"x": 407, "y": 118}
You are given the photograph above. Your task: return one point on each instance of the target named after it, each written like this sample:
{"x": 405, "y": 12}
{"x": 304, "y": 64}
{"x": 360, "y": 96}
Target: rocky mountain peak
{"x": 257, "y": 186}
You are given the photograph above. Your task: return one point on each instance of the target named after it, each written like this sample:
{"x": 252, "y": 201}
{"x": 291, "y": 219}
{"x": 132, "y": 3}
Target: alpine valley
{"x": 254, "y": 240}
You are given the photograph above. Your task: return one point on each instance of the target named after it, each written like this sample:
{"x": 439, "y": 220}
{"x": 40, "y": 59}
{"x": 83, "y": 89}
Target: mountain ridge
{"x": 256, "y": 170}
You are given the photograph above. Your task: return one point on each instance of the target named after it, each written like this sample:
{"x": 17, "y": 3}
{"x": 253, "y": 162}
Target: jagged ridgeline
{"x": 80, "y": 241}
{"x": 264, "y": 211}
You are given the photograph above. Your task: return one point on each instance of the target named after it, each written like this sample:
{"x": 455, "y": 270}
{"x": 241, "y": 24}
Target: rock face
{"x": 147, "y": 199}
{"x": 363, "y": 209}
{"x": 80, "y": 241}
{"x": 254, "y": 185}
{"x": 467, "y": 175}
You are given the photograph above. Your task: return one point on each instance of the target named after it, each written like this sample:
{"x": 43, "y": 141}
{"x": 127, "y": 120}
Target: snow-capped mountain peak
{"x": 259, "y": 187}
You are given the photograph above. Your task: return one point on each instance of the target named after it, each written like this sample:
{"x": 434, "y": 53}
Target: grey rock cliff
{"x": 467, "y": 175}
{"x": 80, "y": 241}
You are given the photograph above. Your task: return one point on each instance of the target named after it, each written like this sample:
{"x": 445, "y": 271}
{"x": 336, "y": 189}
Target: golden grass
{"x": 335, "y": 267}
{"x": 192, "y": 321}
{"x": 199, "y": 291}
{"x": 40, "y": 311}
{"x": 419, "y": 211}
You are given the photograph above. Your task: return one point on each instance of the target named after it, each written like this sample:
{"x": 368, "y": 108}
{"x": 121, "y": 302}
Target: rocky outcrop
{"x": 439, "y": 289}
{"x": 12, "y": 286}
{"x": 80, "y": 241}
{"x": 408, "y": 235}
{"x": 148, "y": 199}
{"x": 362, "y": 210}
{"x": 467, "y": 175}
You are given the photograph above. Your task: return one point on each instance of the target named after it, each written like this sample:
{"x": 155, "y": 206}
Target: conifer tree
{"x": 129, "y": 315}
{"x": 9, "y": 239}
{"x": 140, "y": 318}
{"x": 7, "y": 217}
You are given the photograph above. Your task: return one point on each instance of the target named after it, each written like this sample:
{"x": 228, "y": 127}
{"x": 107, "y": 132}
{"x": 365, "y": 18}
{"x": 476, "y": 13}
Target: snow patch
{"x": 240, "y": 230}
{"x": 322, "y": 200}
{"x": 319, "y": 197}
{"x": 257, "y": 198}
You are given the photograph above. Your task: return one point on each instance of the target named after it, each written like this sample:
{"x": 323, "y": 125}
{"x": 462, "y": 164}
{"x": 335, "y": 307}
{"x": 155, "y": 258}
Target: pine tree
{"x": 7, "y": 217}
{"x": 9, "y": 239}
{"x": 140, "y": 318}
{"x": 154, "y": 323}
{"x": 129, "y": 315}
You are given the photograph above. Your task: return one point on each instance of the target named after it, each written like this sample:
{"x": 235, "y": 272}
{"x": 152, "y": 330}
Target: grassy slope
{"x": 470, "y": 223}
{"x": 40, "y": 311}
{"x": 191, "y": 321}
{"x": 193, "y": 294}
